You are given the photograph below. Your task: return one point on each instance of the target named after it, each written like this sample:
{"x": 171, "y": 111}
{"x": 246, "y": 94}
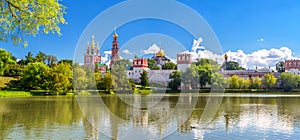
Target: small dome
{"x": 160, "y": 53}
{"x": 115, "y": 35}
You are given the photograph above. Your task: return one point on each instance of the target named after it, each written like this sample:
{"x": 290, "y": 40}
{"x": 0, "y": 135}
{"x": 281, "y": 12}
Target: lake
{"x": 180, "y": 116}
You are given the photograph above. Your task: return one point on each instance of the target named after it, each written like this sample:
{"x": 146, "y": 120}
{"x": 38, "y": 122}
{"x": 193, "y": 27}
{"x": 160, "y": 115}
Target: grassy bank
{"x": 15, "y": 94}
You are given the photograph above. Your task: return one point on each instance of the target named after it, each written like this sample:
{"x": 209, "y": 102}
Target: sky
{"x": 256, "y": 32}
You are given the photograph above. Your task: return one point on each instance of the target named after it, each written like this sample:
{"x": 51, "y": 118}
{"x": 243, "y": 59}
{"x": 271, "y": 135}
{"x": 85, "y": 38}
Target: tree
{"x": 256, "y": 83}
{"x": 231, "y": 65}
{"x": 40, "y": 57}
{"x": 218, "y": 82}
{"x": 108, "y": 81}
{"x": 29, "y": 58}
{"x": 190, "y": 77}
{"x": 144, "y": 79}
{"x": 80, "y": 81}
{"x": 234, "y": 82}
{"x": 152, "y": 64}
{"x": 288, "y": 81}
{"x": 169, "y": 66}
{"x": 61, "y": 78}
{"x": 51, "y": 60}
{"x": 119, "y": 77}
{"x": 269, "y": 81}
{"x": 22, "y": 18}
{"x": 36, "y": 76}
{"x": 5, "y": 60}
{"x": 205, "y": 68}
{"x": 175, "y": 82}
{"x": 280, "y": 67}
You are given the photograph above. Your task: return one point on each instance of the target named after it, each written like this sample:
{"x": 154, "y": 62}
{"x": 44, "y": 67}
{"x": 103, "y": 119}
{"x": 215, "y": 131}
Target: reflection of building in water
{"x": 259, "y": 115}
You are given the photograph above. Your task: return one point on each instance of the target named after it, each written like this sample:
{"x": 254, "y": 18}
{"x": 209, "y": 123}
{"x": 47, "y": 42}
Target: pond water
{"x": 150, "y": 117}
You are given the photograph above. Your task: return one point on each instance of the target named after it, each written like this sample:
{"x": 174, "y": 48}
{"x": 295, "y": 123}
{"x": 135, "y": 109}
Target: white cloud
{"x": 126, "y": 51}
{"x": 261, "y": 58}
{"x": 152, "y": 49}
{"x": 105, "y": 58}
{"x": 260, "y": 40}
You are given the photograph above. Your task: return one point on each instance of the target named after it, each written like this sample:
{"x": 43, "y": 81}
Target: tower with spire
{"x": 114, "y": 50}
{"x": 92, "y": 57}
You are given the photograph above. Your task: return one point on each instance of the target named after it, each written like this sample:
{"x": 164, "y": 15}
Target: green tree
{"x": 5, "y": 61}
{"x": 256, "y": 83}
{"x": 36, "y": 76}
{"x": 61, "y": 78}
{"x": 231, "y": 65}
{"x": 108, "y": 81}
{"x": 29, "y": 58}
{"x": 269, "y": 81}
{"x": 119, "y": 77}
{"x": 21, "y": 18}
{"x": 169, "y": 66}
{"x": 80, "y": 81}
{"x": 218, "y": 82}
{"x": 234, "y": 82}
{"x": 40, "y": 57}
{"x": 280, "y": 67}
{"x": 152, "y": 64}
{"x": 144, "y": 79}
{"x": 175, "y": 82}
{"x": 190, "y": 77}
{"x": 205, "y": 68}
{"x": 288, "y": 81}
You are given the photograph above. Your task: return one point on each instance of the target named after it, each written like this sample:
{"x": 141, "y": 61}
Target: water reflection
{"x": 62, "y": 118}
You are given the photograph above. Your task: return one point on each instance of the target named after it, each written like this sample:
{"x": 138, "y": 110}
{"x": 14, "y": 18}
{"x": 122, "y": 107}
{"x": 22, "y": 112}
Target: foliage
{"x": 5, "y": 61}
{"x": 218, "y": 81}
{"x": 231, "y": 65}
{"x": 234, "y": 82}
{"x": 35, "y": 76}
{"x": 79, "y": 78}
{"x": 152, "y": 64}
{"x": 61, "y": 78}
{"x": 269, "y": 81}
{"x": 21, "y": 18}
{"x": 119, "y": 77}
{"x": 5, "y": 80}
{"x": 175, "y": 82}
{"x": 169, "y": 66}
{"x": 289, "y": 81}
{"x": 280, "y": 67}
{"x": 255, "y": 84}
{"x": 144, "y": 79}
{"x": 190, "y": 77}
{"x": 51, "y": 60}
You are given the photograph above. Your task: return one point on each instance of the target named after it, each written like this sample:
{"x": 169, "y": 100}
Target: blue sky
{"x": 238, "y": 24}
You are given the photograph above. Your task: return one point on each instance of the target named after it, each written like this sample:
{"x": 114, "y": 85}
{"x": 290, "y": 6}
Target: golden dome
{"x": 115, "y": 35}
{"x": 160, "y": 53}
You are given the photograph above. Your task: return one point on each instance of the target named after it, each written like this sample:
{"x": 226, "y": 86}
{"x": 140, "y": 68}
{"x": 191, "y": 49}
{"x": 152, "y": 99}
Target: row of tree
{"x": 205, "y": 73}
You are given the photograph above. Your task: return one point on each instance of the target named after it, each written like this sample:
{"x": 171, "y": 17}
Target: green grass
{"x": 141, "y": 91}
{"x": 5, "y": 80}
{"x": 14, "y": 94}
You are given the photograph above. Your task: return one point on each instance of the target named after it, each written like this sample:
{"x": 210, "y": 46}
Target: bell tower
{"x": 114, "y": 50}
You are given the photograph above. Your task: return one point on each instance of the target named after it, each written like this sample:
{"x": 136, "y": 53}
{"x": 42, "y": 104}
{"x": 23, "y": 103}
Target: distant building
{"x": 92, "y": 56}
{"x": 160, "y": 58}
{"x": 184, "y": 60}
{"x": 249, "y": 73}
{"x": 114, "y": 50}
{"x": 155, "y": 76}
{"x": 292, "y": 66}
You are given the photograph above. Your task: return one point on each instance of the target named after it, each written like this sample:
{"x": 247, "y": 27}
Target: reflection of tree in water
{"x": 37, "y": 113}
